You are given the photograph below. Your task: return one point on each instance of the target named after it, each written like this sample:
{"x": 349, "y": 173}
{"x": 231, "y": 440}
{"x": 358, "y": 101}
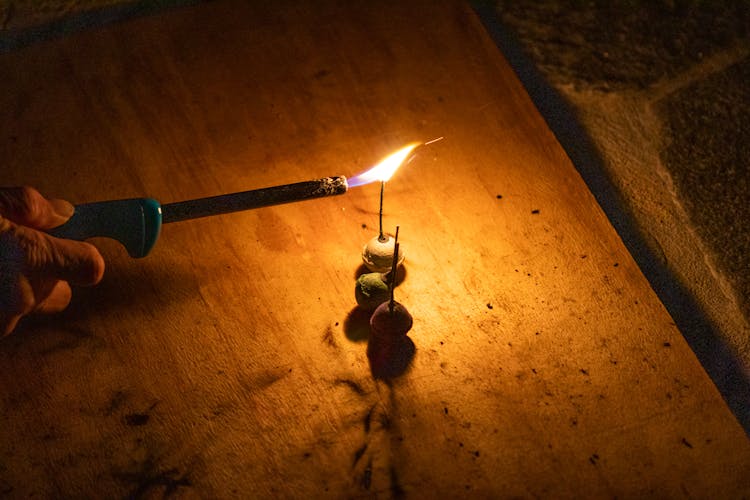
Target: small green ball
{"x": 371, "y": 291}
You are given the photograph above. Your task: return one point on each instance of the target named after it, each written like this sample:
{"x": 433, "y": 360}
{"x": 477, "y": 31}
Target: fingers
{"x": 35, "y": 268}
{"x": 8, "y": 323}
{"x": 22, "y": 297}
{"x": 77, "y": 262}
{"x": 45, "y": 256}
{"x": 56, "y": 299}
{"x": 16, "y": 300}
{"x": 26, "y": 206}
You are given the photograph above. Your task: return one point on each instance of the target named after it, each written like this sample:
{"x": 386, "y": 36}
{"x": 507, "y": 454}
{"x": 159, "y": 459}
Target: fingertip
{"x": 57, "y": 299}
{"x": 26, "y": 206}
{"x": 20, "y": 299}
{"x": 30, "y": 206}
{"x": 77, "y": 262}
{"x": 99, "y": 267}
{"x": 62, "y": 208}
{"x": 91, "y": 270}
{"x": 8, "y": 324}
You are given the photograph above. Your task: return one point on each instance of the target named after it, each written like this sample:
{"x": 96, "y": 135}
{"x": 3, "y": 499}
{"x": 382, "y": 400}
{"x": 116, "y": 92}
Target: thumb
{"x": 26, "y": 206}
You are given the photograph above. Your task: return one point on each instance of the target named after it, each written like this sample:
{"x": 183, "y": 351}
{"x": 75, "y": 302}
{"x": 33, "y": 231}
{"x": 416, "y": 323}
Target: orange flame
{"x": 386, "y": 168}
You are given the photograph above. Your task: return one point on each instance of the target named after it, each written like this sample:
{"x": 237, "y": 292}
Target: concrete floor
{"x": 650, "y": 101}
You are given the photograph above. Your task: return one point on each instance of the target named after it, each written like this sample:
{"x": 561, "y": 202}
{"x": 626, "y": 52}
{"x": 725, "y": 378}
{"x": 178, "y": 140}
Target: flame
{"x": 386, "y": 168}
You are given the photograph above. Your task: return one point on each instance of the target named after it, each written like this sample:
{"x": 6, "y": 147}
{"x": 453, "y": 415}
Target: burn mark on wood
{"x": 594, "y": 459}
{"x": 148, "y": 478}
{"x": 367, "y": 476}
{"x": 535, "y": 211}
{"x": 263, "y": 380}
{"x": 358, "y": 454}
{"x": 368, "y": 419}
{"x": 396, "y": 490}
{"x": 499, "y": 197}
{"x": 355, "y": 387}
{"x": 118, "y": 398}
{"x": 687, "y": 443}
{"x": 169, "y": 480}
{"x": 219, "y": 410}
{"x": 329, "y": 339}
{"x": 385, "y": 421}
{"x": 137, "y": 419}
{"x": 489, "y": 306}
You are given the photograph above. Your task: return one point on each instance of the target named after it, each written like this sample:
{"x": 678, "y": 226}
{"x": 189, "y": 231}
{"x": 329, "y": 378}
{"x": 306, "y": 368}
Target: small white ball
{"x": 378, "y": 255}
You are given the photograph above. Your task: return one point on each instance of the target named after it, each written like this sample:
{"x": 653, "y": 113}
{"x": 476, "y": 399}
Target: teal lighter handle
{"x": 135, "y": 223}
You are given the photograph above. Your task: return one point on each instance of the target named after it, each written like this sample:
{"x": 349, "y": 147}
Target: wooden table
{"x": 231, "y": 362}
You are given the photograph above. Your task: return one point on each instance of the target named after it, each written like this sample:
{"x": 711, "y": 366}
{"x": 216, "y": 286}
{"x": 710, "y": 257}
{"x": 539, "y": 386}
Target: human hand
{"x": 36, "y": 268}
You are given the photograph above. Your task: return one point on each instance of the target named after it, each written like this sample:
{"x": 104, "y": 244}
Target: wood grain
{"x": 231, "y": 362}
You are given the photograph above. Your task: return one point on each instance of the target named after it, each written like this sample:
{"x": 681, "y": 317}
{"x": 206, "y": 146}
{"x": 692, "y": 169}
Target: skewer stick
{"x": 394, "y": 269}
{"x": 382, "y": 237}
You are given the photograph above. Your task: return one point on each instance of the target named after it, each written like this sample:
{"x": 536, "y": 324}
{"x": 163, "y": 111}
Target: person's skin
{"x": 36, "y": 269}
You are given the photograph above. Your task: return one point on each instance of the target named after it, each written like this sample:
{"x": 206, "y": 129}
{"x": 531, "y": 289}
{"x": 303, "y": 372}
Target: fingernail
{"x": 63, "y": 208}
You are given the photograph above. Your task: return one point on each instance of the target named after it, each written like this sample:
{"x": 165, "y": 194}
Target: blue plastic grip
{"x": 135, "y": 223}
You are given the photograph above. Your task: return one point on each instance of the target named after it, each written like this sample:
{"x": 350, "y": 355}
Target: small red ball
{"x": 390, "y": 324}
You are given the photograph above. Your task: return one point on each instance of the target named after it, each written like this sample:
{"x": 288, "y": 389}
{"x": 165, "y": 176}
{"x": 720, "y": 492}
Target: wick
{"x": 382, "y": 237}
{"x": 394, "y": 268}
{"x": 434, "y": 140}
